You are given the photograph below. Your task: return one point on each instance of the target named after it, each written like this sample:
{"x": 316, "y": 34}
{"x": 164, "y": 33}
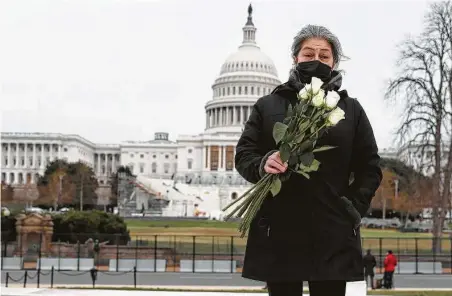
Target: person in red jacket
{"x": 390, "y": 263}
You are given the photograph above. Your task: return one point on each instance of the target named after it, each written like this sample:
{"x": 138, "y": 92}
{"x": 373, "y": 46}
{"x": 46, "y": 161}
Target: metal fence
{"x": 187, "y": 253}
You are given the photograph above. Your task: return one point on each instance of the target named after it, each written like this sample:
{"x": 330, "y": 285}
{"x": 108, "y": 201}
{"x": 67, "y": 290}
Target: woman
{"x": 310, "y": 230}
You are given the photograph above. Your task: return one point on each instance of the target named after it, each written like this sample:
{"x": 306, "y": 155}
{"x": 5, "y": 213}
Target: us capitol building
{"x": 201, "y": 165}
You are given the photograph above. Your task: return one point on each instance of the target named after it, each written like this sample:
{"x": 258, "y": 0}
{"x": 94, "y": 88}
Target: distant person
{"x": 390, "y": 263}
{"x": 369, "y": 263}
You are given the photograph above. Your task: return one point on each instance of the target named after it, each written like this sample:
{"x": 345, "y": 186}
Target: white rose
{"x": 316, "y": 84}
{"x": 319, "y": 99}
{"x": 331, "y": 100}
{"x": 6, "y": 212}
{"x": 303, "y": 94}
{"x": 335, "y": 116}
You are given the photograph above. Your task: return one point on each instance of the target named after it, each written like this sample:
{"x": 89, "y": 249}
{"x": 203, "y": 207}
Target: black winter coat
{"x": 304, "y": 233}
{"x": 369, "y": 263}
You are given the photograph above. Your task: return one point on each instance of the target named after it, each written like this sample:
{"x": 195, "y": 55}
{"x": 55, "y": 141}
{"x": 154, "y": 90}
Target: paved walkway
{"x": 353, "y": 289}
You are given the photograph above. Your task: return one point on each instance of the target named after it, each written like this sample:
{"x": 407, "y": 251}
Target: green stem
{"x": 255, "y": 195}
{"x": 325, "y": 124}
{"x": 242, "y": 208}
{"x": 244, "y": 194}
{"x": 248, "y": 197}
{"x": 255, "y": 206}
{"x": 248, "y": 210}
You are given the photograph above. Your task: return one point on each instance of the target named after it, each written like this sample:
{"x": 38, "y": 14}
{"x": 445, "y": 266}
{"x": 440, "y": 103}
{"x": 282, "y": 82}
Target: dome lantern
{"x": 249, "y": 31}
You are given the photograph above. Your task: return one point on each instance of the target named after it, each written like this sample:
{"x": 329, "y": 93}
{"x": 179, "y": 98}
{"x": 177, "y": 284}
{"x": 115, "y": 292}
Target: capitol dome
{"x": 245, "y": 76}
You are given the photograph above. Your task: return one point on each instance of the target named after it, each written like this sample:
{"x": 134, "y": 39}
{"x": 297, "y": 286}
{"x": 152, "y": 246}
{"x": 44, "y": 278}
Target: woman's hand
{"x": 274, "y": 164}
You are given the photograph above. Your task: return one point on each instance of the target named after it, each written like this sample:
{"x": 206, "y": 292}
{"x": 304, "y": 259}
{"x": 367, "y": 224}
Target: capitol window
{"x": 190, "y": 150}
{"x": 252, "y": 90}
{"x": 131, "y": 155}
{"x": 154, "y": 156}
{"x": 240, "y": 90}
{"x": 189, "y": 164}
{"x": 166, "y": 167}
{"x": 141, "y": 156}
{"x": 233, "y": 90}
{"x": 246, "y": 90}
{"x": 167, "y": 156}
{"x": 154, "y": 168}
{"x": 229, "y": 90}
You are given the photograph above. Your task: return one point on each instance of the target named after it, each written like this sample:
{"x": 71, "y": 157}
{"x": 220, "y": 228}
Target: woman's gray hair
{"x": 314, "y": 31}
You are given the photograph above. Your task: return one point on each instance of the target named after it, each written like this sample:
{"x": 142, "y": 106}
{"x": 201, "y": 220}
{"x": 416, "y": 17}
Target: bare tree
{"x": 424, "y": 85}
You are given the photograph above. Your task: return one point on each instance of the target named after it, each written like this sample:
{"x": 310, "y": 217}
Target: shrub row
{"x": 76, "y": 226}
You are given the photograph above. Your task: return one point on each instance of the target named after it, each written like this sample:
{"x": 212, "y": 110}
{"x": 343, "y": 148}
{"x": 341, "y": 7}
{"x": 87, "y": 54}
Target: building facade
{"x": 246, "y": 75}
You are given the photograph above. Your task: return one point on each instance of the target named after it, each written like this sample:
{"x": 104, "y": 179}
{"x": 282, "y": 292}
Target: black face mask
{"x": 307, "y": 70}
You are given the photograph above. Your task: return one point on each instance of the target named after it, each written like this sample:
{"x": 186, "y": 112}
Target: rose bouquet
{"x": 305, "y": 122}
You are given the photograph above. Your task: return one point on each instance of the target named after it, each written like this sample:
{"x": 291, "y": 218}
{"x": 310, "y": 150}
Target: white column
{"x": 203, "y": 161}
{"x": 59, "y": 151}
{"x": 106, "y": 164}
{"x": 17, "y": 155}
{"x": 220, "y": 155}
{"x": 26, "y": 156}
{"x": 227, "y": 116}
{"x": 98, "y": 164}
{"x": 34, "y": 155}
{"x": 51, "y": 151}
{"x": 224, "y": 157}
{"x": 113, "y": 163}
{"x": 221, "y": 116}
{"x": 249, "y": 112}
{"x": 211, "y": 122}
{"x": 16, "y": 178}
{"x": 10, "y": 160}
{"x": 207, "y": 118}
{"x": 241, "y": 115}
{"x": 208, "y": 157}
{"x": 42, "y": 156}
{"x": 234, "y": 115}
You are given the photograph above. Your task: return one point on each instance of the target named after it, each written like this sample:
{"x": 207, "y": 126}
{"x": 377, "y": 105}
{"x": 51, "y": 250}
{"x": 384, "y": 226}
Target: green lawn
{"x": 216, "y": 236}
{"x": 170, "y": 227}
{"x": 182, "y": 224}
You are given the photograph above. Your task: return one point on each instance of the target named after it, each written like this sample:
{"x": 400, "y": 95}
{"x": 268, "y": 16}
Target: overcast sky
{"x": 121, "y": 70}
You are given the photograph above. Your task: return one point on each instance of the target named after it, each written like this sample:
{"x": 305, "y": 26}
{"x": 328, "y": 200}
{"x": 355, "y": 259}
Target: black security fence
{"x": 188, "y": 253}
